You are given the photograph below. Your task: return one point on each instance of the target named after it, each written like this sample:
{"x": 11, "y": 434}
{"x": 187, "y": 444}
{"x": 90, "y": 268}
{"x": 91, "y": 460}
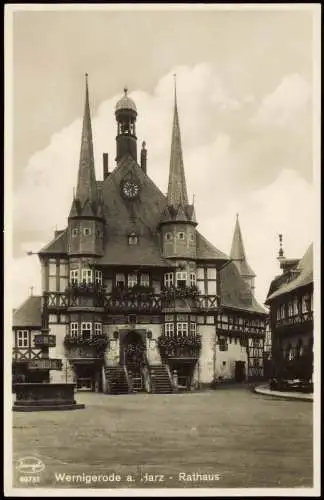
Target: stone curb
{"x": 289, "y": 396}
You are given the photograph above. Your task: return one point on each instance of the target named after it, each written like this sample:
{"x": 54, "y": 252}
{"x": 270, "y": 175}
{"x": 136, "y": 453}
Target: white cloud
{"x": 221, "y": 167}
{"x": 280, "y": 107}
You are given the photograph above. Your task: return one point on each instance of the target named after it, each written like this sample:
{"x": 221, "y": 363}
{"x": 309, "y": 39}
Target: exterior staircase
{"x": 116, "y": 378}
{"x": 160, "y": 379}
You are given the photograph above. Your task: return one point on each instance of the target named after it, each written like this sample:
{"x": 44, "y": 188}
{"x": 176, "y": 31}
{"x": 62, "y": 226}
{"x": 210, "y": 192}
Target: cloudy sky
{"x": 245, "y": 84}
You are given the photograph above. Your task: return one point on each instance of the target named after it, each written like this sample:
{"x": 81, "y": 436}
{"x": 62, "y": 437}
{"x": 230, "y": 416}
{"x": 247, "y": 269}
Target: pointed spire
{"x": 238, "y": 251}
{"x": 177, "y": 189}
{"x": 86, "y": 187}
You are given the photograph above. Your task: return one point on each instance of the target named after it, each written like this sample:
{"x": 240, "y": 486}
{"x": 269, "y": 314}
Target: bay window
{"x": 193, "y": 329}
{"x": 193, "y": 279}
{"x": 87, "y": 276}
{"x": 86, "y": 330}
{"x": 98, "y": 277}
{"x": 74, "y": 276}
{"x": 169, "y": 329}
{"x": 74, "y": 329}
{"x": 145, "y": 279}
{"x": 120, "y": 280}
{"x": 168, "y": 279}
{"x": 181, "y": 279}
{"x": 98, "y": 328}
{"x": 132, "y": 280}
{"x": 182, "y": 329}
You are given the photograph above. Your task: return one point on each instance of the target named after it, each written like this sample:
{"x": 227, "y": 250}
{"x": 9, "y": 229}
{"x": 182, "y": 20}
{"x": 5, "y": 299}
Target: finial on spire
{"x": 237, "y": 215}
{"x": 175, "y": 87}
{"x": 125, "y": 90}
{"x": 281, "y": 252}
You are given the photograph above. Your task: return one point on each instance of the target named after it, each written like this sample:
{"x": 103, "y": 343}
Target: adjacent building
{"x": 137, "y": 297}
{"x": 290, "y": 299}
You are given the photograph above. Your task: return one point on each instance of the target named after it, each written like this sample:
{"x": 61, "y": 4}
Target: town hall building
{"x": 136, "y": 296}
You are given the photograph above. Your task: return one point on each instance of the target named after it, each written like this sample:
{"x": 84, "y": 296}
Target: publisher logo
{"x": 30, "y": 465}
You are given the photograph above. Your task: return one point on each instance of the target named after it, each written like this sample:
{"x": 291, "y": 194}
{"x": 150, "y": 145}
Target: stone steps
{"x": 116, "y": 380}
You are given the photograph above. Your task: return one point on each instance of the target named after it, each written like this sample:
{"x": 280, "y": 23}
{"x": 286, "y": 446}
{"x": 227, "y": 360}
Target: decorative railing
{"x": 45, "y": 364}
{"x": 296, "y": 319}
{"x": 23, "y": 354}
{"x": 42, "y": 340}
{"x": 83, "y": 288}
{"x": 135, "y": 303}
{"x": 187, "y": 292}
{"x": 98, "y": 342}
{"x": 131, "y": 300}
{"x": 136, "y": 291}
{"x": 179, "y": 347}
{"x": 237, "y": 329}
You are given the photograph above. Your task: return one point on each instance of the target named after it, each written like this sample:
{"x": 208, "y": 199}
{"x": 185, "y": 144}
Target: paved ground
{"x": 241, "y": 439}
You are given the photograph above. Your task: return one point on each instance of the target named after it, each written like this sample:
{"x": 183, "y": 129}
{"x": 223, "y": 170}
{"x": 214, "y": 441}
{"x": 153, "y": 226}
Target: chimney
{"x": 105, "y": 165}
{"x": 143, "y": 157}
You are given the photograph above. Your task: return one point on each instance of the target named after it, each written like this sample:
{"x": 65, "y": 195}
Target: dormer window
{"x": 181, "y": 236}
{"x": 133, "y": 239}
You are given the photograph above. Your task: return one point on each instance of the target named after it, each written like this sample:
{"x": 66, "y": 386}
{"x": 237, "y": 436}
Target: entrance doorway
{"x": 182, "y": 372}
{"x": 88, "y": 377}
{"x": 133, "y": 358}
{"x": 240, "y": 374}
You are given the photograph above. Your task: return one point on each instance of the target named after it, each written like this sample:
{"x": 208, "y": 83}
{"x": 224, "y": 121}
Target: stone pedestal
{"x": 45, "y": 397}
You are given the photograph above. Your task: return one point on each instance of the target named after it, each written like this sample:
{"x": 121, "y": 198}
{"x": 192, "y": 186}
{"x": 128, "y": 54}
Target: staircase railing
{"x": 170, "y": 376}
{"x": 128, "y": 379}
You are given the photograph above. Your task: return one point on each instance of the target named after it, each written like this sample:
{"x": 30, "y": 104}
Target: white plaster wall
{"x": 204, "y": 373}
{"x": 234, "y": 353}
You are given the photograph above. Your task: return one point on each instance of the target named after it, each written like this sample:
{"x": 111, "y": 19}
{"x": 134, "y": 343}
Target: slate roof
{"x": 238, "y": 252}
{"x": 302, "y": 276}
{"x": 235, "y": 293}
{"x": 28, "y": 314}
{"x": 58, "y": 245}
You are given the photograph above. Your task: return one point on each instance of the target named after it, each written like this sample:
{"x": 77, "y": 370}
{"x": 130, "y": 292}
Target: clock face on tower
{"x": 130, "y": 189}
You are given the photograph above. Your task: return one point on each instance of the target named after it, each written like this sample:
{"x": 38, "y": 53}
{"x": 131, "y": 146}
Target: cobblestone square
{"x": 229, "y": 438}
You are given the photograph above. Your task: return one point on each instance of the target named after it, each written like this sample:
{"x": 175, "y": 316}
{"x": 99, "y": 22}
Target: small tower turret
{"x": 126, "y": 139}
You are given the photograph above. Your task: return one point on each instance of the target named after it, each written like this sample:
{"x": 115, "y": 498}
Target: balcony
{"x": 186, "y": 292}
{"x": 25, "y": 354}
{"x": 85, "y": 289}
{"x": 179, "y": 347}
{"x": 131, "y": 300}
{"x": 80, "y": 346}
{"x": 45, "y": 364}
{"x": 45, "y": 340}
{"x": 297, "y": 319}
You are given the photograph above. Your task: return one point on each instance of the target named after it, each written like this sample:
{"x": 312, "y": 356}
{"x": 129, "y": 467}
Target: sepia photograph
{"x": 162, "y": 243}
